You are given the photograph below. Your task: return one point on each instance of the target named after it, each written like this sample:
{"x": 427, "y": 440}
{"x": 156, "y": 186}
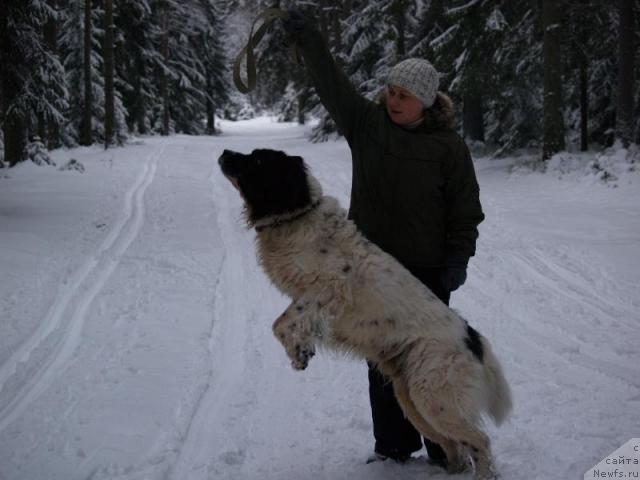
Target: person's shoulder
{"x": 450, "y": 140}
{"x": 441, "y": 116}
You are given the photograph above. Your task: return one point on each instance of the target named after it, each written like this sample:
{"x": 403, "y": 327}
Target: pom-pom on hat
{"x": 417, "y": 76}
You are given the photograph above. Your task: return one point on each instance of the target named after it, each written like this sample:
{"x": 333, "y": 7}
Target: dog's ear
{"x": 296, "y": 165}
{"x": 299, "y": 187}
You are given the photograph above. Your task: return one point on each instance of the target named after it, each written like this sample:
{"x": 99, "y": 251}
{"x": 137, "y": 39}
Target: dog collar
{"x": 282, "y": 221}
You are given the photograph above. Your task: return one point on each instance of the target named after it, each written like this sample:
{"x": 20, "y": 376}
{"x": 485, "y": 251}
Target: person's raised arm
{"x": 345, "y": 105}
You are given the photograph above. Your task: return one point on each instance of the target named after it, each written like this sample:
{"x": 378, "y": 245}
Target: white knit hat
{"x": 417, "y": 76}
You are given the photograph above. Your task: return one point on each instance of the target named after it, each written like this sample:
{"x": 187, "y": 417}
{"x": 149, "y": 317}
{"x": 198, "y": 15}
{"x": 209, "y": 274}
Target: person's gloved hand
{"x": 295, "y": 23}
{"x": 454, "y": 276}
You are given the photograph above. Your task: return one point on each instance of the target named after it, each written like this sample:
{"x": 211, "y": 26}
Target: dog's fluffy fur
{"x": 350, "y": 295}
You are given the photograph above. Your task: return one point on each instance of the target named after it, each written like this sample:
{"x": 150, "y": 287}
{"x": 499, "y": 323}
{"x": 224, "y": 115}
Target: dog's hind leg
{"x": 478, "y": 445}
{"x": 447, "y": 421}
{"x": 455, "y": 462}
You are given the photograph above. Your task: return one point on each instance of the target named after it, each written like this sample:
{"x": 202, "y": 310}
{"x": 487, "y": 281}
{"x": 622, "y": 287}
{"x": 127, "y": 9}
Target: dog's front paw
{"x": 303, "y": 354}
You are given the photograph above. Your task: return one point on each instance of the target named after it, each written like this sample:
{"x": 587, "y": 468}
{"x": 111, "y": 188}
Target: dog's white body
{"x": 350, "y": 295}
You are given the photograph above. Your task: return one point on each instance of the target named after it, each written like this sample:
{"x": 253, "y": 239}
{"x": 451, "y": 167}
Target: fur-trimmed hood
{"x": 440, "y": 115}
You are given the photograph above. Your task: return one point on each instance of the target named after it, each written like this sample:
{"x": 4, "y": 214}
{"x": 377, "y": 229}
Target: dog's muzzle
{"x": 226, "y": 162}
{"x": 225, "y": 159}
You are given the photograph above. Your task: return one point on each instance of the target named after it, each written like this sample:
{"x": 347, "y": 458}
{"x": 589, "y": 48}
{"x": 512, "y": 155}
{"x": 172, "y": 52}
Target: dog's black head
{"x": 270, "y": 182}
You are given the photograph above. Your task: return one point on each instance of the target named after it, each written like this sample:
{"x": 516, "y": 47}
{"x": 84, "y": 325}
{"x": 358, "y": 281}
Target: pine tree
{"x": 109, "y": 73}
{"x": 182, "y": 25}
{"x": 626, "y": 73}
{"x": 602, "y": 76}
{"x": 433, "y": 28}
{"x": 81, "y": 49}
{"x": 637, "y": 79}
{"x": 215, "y": 61}
{"x": 86, "y": 127}
{"x": 50, "y": 130}
{"x": 587, "y": 104}
{"x": 136, "y": 57}
{"x": 469, "y": 32}
{"x": 32, "y": 81}
{"x": 553, "y": 138}
{"x": 580, "y": 21}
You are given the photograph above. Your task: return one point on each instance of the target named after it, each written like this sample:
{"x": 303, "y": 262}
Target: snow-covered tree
{"x": 626, "y": 71}
{"x": 37, "y": 152}
{"x": 109, "y": 73}
{"x": 215, "y": 61}
{"x": 32, "y": 83}
{"x": 171, "y": 61}
{"x": 181, "y": 26}
{"x": 287, "y": 108}
{"x": 84, "y": 70}
{"x": 473, "y": 29}
{"x": 369, "y": 41}
{"x": 136, "y": 55}
{"x": 513, "y": 114}
{"x": 553, "y": 122}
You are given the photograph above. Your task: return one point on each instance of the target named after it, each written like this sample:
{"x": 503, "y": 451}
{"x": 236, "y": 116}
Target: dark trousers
{"x": 395, "y": 435}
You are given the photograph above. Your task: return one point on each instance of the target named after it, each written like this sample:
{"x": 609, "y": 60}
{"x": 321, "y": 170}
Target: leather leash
{"x": 267, "y": 17}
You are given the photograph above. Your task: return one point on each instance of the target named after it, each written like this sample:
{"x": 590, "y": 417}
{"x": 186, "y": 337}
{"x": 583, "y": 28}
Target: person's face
{"x": 403, "y": 107}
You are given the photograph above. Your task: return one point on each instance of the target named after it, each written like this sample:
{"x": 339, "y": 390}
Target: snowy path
{"x": 36, "y": 375}
{"x": 146, "y": 350}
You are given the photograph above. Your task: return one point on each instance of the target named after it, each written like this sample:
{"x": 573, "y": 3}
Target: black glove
{"x": 295, "y": 23}
{"x": 454, "y": 276}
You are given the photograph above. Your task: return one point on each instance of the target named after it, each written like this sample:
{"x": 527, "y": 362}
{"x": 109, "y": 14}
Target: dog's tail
{"x": 500, "y": 402}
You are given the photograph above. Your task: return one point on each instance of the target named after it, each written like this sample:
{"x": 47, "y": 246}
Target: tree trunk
{"x": 15, "y": 140}
{"x": 584, "y": 105}
{"x": 164, "y": 81}
{"x": 41, "y": 127}
{"x": 400, "y": 21}
{"x": 472, "y": 117}
{"x": 553, "y": 127}
{"x": 140, "y": 114}
{"x": 322, "y": 21}
{"x": 303, "y": 98}
{"x": 336, "y": 27}
{"x": 86, "y": 127}
{"x": 52, "y": 139}
{"x": 109, "y": 95}
{"x": 138, "y": 108}
{"x": 583, "y": 33}
{"x": 13, "y": 126}
{"x": 626, "y": 53}
{"x": 211, "y": 117}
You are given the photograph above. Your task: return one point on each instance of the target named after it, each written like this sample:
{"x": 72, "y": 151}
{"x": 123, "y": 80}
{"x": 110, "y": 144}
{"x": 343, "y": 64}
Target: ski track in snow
{"x": 564, "y": 329}
{"x": 55, "y": 340}
{"x": 226, "y": 346}
{"x": 567, "y": 342}
{"x": 235, "y": 365}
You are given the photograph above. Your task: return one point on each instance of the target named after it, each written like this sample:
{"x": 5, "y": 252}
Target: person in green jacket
{"x": 414, "y": 193}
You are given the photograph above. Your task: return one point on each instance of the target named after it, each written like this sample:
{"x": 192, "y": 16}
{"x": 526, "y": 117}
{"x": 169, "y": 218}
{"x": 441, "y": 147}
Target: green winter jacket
{"x": 414, "y": 192}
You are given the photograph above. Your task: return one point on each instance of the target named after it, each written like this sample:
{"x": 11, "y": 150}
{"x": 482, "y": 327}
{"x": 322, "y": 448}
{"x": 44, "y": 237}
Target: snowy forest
{"x": 551, "y": 75}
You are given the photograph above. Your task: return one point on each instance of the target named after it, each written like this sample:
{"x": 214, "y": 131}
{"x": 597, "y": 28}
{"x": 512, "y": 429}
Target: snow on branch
{"x": 444, "y": 37}
{"x": 460, "y": 9}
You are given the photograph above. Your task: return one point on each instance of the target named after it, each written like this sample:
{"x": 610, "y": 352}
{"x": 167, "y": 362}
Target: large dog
{"x": 350, "y": 295}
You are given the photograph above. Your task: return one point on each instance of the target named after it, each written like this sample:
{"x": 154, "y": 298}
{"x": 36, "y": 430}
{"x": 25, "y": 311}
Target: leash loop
{"x": 267, "y": 17}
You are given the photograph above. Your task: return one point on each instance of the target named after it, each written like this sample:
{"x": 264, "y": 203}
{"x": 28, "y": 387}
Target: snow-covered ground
{"x": 135, "y": 329}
